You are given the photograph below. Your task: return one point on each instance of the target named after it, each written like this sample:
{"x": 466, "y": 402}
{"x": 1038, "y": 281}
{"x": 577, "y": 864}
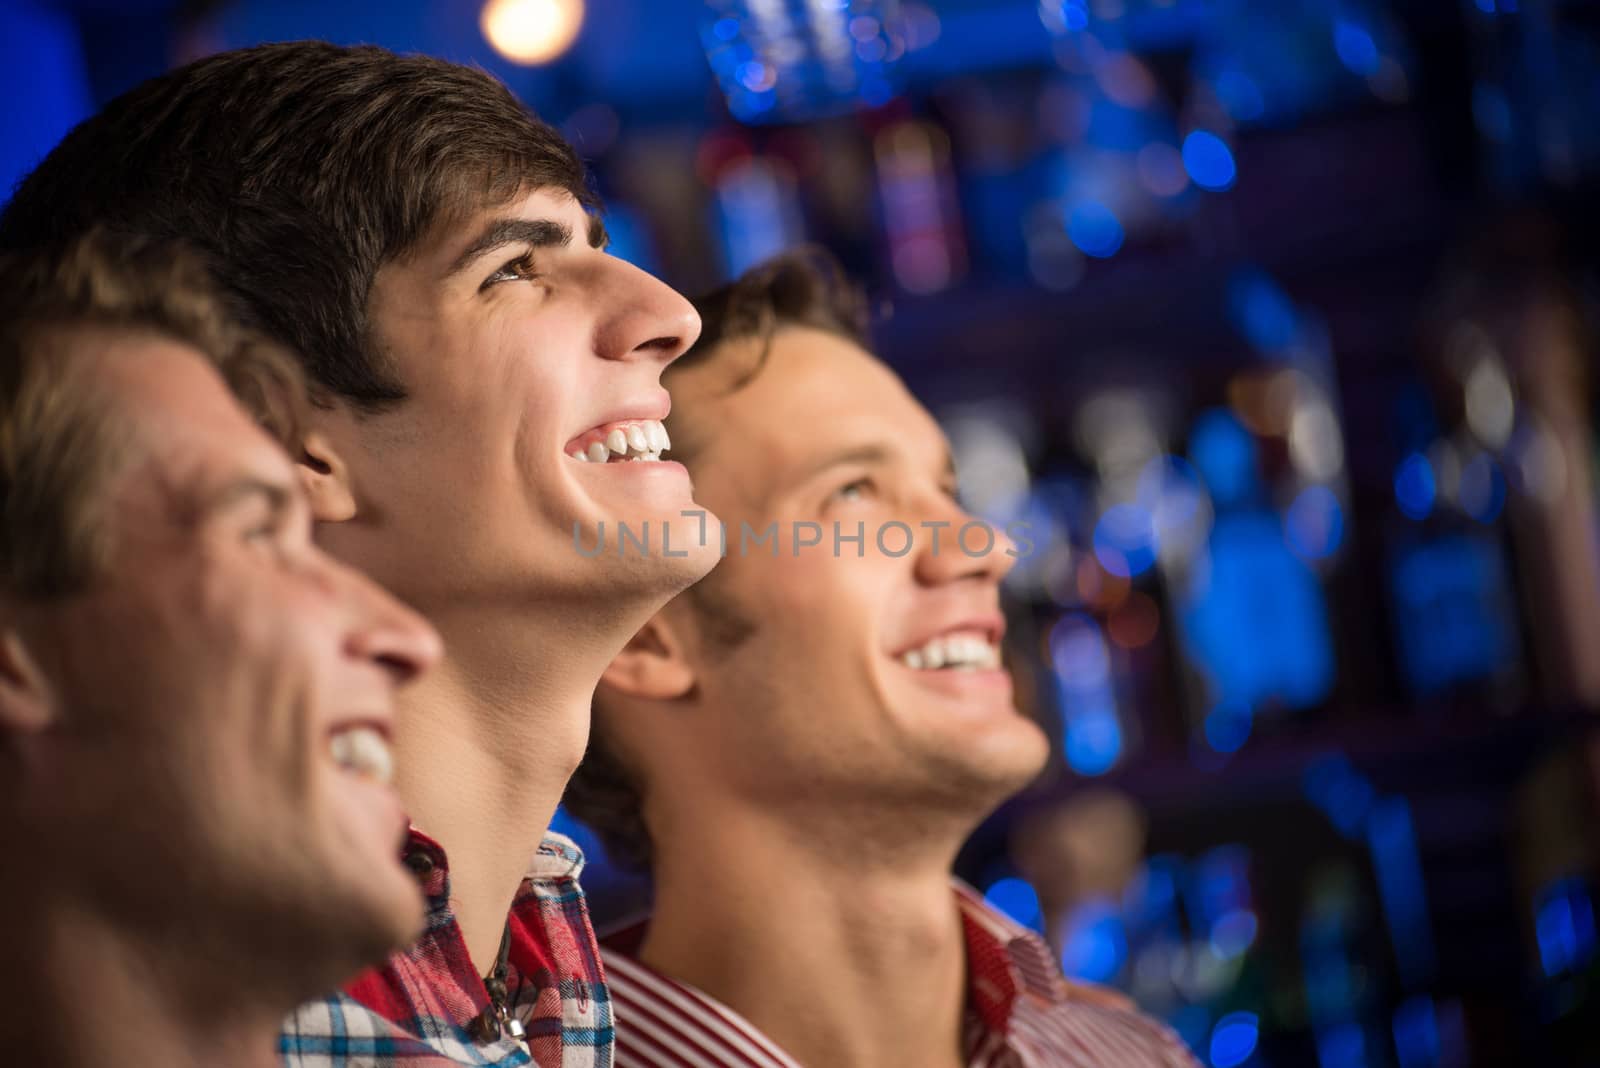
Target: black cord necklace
{"x": 496, "y": 1020}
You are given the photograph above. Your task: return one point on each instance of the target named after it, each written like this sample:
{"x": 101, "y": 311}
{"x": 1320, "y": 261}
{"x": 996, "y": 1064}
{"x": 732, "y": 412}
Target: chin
{"x": 654, "y": 549}
{"x": 1000, "y": 759}
{"x": 372, "y": 921}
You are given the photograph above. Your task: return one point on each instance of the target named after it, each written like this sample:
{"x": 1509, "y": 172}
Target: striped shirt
{"x": 416, "y": 1010}
{"x": 1021, "y": 1012}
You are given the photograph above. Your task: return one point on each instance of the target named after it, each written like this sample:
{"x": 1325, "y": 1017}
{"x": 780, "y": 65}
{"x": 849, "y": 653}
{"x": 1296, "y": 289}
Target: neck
{"x": 83, "y": 992}
{"x": 840, "y": 953}
{"x": 485, "y": 744}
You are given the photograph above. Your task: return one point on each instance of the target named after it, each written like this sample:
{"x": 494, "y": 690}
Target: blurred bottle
{"x": 1512, "y": 473}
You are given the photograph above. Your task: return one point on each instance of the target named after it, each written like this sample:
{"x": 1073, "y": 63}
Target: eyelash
{"x": 520, "y": 269}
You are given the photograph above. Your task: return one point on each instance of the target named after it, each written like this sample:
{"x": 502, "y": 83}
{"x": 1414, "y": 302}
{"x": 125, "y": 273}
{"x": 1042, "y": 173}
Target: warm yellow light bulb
{"x": 532, "y": 32}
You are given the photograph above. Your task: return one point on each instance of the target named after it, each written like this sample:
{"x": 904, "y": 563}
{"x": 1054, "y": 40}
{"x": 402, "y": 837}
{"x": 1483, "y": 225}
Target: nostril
{"x": 664, "y": 343}
{"x": 401, "y": 669}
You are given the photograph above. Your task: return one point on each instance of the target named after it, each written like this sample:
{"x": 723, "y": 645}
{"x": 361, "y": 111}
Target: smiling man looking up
{"x": 194, "y": 699}
{"x": 799, "y": 744}
{"x": 434, "y": 252}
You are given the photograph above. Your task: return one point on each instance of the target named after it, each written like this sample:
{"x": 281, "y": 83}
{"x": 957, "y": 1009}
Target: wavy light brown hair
{"x": 56, "y": 446}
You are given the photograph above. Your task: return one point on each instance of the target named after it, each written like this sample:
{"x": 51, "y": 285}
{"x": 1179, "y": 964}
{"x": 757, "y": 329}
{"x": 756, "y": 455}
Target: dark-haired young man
{"x": 194, "y": 699}
{"x": 432, "y": 250}
{"x": 800, "y": 743}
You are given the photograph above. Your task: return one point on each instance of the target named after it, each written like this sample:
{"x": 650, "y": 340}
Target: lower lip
{"x": 962, "y": 682}
{"x": 379, "y": 793}
{"x": 629, "y": 466}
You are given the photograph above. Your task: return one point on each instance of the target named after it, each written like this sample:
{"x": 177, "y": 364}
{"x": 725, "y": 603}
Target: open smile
{"x": 629, "y": 441}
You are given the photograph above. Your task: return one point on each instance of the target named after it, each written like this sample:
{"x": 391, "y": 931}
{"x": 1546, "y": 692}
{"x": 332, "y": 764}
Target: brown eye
{"x": 520, "y": 269}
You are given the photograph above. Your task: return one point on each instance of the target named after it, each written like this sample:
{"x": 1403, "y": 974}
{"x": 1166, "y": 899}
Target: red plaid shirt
{"x": 1021, "y": 1013}
{"x": 415, "y": 1011}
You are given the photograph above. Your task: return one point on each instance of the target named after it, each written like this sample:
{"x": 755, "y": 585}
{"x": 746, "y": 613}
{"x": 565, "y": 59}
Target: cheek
{"x": 832, "y": 604}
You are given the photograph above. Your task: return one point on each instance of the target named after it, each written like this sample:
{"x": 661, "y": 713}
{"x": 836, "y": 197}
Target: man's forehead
{"x": 181, "y": 431}
{"x": 457, "y": 231}
{"x": 816, "y": 395}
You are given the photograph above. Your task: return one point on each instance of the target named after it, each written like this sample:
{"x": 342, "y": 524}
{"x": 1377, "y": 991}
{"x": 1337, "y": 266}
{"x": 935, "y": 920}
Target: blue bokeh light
{"x": 1209, "y": 161}
{"x": 1125, "y": 540}
{"x": 1234, "y": 1039}
{"x": 1093, "y": 740}
{"x": 1095, "y": 944}
{"x": 1228, "y": 727}
{"x": 1453, "y": 615}
{"x": 1094, "y": 228}
{"x": 1241, "y": 95}
{"x": 1257, "y": 624}
{"x": 1415, "y": 489}
{"x": 1342, "y": 1046}
{"x": 1262, "y": 311}
{"x": 1067, "y": 16}
{"x": 1357, "y": 50}
{"x": 1234, "y": 932}
{"x": 1018, "y": 899}
{"x": 1314, "y": 523}
{"x": 1565, "y": 926}
{"x": 1091, "y": 731}
{"x": 1225, "y": 454}
{"x": 1342, "y": 793}
{"x": 1392, "y": 840}
{"x": 1416, "y": 1033}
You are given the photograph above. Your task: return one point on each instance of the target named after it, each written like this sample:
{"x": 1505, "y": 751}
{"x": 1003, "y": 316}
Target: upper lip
{"x": 992, "y": 625}
{"x": 656, "y": 406}
{"x": 382, "y": 722}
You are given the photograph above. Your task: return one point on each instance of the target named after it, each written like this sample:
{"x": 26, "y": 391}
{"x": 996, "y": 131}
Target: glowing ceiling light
{"x": 531, "y": 32}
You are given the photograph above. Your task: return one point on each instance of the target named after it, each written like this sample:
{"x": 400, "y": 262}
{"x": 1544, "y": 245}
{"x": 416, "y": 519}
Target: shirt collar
{"x": 558, "y": 861}
{"x": 1005, "y": 961}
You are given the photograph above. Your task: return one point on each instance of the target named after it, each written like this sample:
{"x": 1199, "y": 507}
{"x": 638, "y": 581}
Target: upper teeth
{"x": 363, "y": 751}
{"x": 969, "y": 651}
{"x": 643, "y": 440}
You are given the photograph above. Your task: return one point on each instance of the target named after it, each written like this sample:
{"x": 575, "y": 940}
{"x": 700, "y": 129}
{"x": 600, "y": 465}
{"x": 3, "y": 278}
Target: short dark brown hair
{"x": 802, "y": 288}
{"x": 299, "y": 169}
{"x": 55, "y": 445}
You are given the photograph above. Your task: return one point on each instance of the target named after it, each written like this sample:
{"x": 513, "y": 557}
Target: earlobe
{"x": 652, "y": 665}
{"x": 326, "y": 479}
{"x": 26, "y": 705}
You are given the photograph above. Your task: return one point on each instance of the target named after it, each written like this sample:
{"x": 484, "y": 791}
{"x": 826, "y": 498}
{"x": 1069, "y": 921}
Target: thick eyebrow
{"x": 535, "y": 233}
{"x": 872, "y": 455}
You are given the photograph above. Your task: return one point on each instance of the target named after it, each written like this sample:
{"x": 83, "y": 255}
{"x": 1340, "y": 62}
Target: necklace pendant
{"x": 485, "y": 1027}
{"x": 515, "y": 1029}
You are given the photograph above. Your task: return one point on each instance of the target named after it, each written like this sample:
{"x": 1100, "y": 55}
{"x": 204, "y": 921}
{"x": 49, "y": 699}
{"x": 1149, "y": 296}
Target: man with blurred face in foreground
{"x": 195, "y": 701}
{"x": 489, "y": 379}
{"x": 798, "y": 745}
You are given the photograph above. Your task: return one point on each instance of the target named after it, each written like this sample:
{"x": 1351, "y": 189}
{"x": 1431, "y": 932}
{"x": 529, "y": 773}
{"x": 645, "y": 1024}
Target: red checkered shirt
{"x": 415, "y": 1010}
{"x": 1021, "y": 1013}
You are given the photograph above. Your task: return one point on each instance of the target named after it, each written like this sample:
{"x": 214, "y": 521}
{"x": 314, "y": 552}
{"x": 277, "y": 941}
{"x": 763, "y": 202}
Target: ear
{"x": 326, "y": 480}
{"x": 26, "y": 703}
{"x": 652, "y": 665}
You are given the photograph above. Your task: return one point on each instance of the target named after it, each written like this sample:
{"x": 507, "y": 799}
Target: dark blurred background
{"x": 1274, "y": 320}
